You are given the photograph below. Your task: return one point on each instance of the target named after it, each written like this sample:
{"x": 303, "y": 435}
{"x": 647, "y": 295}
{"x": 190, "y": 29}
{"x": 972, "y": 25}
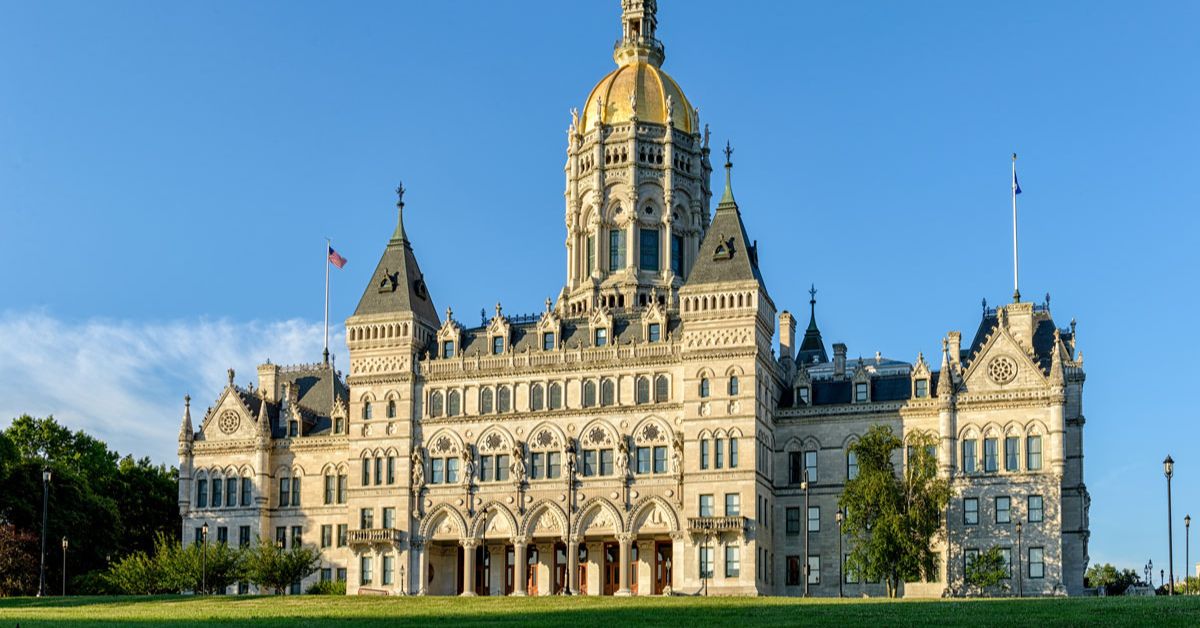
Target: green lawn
{"x": 590, "y": 611}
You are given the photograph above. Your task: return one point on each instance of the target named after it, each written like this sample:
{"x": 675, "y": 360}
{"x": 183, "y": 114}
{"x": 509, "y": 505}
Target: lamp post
{"x": 1020, "y": 572}
{"x": 841, "y": 557}
{"x": 64, "y": 574}
{"x": 1187, "y": 549}
{"x": 1161, "y": 578}
{"x": 570, "y": 506}
{"x": 804, "y": 488}
{"x": 204, "y": 558}
{"x": 667, "y": 576}
{"x": 45, "y": 511}
{"x": 1169, "y": 470}
{"x": 1150, "y": 572}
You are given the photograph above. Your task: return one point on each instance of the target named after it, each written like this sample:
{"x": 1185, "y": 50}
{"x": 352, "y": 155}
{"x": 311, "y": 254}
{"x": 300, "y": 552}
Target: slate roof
{"x": 524, "y": 337}
{"x": 317, "y": 387}
{"x": 726, "y": 255}
{"x": 1043, "y": 339}
{"x": 397, "y": 284}
{"x": 812, "y": 346}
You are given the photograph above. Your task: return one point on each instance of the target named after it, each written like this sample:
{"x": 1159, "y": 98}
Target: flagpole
{"x": 325, "y": 354}
{"x": 1016, "y": 290}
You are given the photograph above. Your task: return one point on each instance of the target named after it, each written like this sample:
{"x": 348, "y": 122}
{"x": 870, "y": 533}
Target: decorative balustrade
{"x": 559, "y": 357}
{"x": 718, "y": 524}
{"x": 372, "y": 536}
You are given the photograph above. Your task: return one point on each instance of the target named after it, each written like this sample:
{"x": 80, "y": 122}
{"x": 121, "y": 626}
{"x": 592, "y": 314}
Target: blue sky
{"x": 168, "y": 174}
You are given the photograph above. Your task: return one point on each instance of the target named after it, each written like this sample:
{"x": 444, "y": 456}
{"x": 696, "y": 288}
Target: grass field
{"x": 590, "y": 611}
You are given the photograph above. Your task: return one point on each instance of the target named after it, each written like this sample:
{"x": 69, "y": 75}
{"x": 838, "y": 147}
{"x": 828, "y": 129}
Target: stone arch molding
{"x": 600, "y": 512}
{"x": 495, "y": 510}
{"x": 431, "y": 524}
{"x": 646, "y": 509}
{"x": 542, "y": 509}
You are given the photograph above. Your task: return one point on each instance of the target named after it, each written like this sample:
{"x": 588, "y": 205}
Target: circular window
{"x": 229, "y": 421}
{"x": 1002, "y": 369}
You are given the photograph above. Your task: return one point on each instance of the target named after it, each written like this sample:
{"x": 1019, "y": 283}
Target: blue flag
{"x": 1016, "y": 186}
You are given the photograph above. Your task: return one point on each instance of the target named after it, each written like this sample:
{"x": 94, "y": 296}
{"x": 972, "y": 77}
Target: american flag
{"x": 336, "y": 259}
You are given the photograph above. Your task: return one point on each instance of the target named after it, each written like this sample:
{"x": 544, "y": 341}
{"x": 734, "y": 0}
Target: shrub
{"x": 327, "y": 587}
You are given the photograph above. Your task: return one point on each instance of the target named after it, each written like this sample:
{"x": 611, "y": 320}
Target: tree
{"x": 988, "y": 571}
{"x": 18, "y": 562}
{"x": 273, "y": 568}
{"x": 892, "y": 519}
{"x": 1114, "y": 582}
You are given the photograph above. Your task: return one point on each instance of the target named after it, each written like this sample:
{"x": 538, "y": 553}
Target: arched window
{"x": 589, "y": 394}
{"x": 485, "y": 401}
{"x": 704, "y": 387}
{"x": 391, "y": 408}
{"x": 556, "y": 401}
{"x": 504, "y": 399}
{"x": 366, "y": 413}
{"x": 435, "y": 404}
{"x": 733, "y": 385}
{"x": 453, "y": 403}
{"x": 536, "y": 397}
{"x": 607, "y": 393}
{"x": 643, "y": 390}
{"x": 662, "y": 389}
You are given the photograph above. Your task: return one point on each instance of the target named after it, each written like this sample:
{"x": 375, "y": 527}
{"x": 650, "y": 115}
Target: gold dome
{"x": 652, "y": 87}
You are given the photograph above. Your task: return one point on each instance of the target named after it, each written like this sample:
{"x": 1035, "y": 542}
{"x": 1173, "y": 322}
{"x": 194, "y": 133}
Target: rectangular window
{"x": 851, "y": 465}
{"x": 733, "y": 454}
{"x": 365, "y": 565}
{"x": 706, "y": 562}
{"x": 297, "y": 531}
{"x": 660, "y": 459}
{"x": 387, "y": 568}
{"x": 795, "y": 466}
{"x": 990, "y": 455}
{"x": 1006, "y": 556}
{"x": 810, "y": 465}
{"x": 244, "y": 536}
{"x": 703, "y": 454}
{"x": 502, "y": 464}
{"x": 792, "y": 579}
{"x": 814, "y": 569}
{"x": 706, "y": 505}
{"x": 343, "y": 537}
{"x": 223, "y": 535}
{"x": 451, "y": 470}
{"x": 329, "y": 489}
{"x": 436, "y": 471}
{"x": 677, "y": 254}
{"x": 553, "y": 465}
{"x": 391, "y": 469}
{"x": 537, "y": 465}
{"x": 1033, "y": 453}
{"x": 601, "y": 337}
{"x": 485, "y": 468}
{"x": 201, "y": 493}
{"x": 326, "y": 574}
{"x": 326, "y": 535}
{"x": 231, "y": 492}
{"x": 718, "y": 453}
{"x": 497, "y": 345}
{"x": 591, "y": 254}
{"x": 1011, "y": 453}
{"x": 733, "y": 504}
{"x": 641, "y": 460}
{"x": 448, "y": 349}
{"x": 366, "y": 471}
{"x": 285, "y": 492}
{"x": 378, "y": 471}
{"x": 606, "y": 462}
{"x": 616, "y": 250}
{"x": 970, "y": 511}
{"x": 366, "y": 518}
{"x": 296, "y": 492}
{"x": 1037, "y": 568}
{"x": 968, "y": 455}
{"x": 589, "y": 462}
{"x": 389, "y": 517}
{"x": 733, "y": 561}
{"x": 281, "y": 537}
{"x": 341, "y": 574}
{"x": 246, "y": 491}
{"x": 654, "y": 332}
{"x": 860, "y": 392}
{"x": 548, "y": 341}
{"x": 649, "y": 250}
{"x": 802, "y": 393}
{"x": 792, "y": 521}
{"x": 814, "y": 519}
{"x": 216, "y": 493}
{"x": 969, "y": 556}
{"x": 922, "y": 388}
{"x": 1003, "y": 510}
{"x": 1035, "y": 508}
{"x": 343, "y": 481}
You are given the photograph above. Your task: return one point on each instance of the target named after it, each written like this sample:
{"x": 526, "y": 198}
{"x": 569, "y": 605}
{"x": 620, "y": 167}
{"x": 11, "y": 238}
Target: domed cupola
{"x": 637, "y": 179}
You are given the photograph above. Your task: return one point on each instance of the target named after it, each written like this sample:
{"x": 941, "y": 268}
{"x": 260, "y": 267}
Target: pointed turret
{"x": 1057, "y": 376}
{"x": 812, "y": 348}
{"x": 945, "y": 386}
{"x": 726, "y": 254}
{"x": 264, "y": 418}
{"x": 186, "y": 435}
{"x": 397, "y": 286}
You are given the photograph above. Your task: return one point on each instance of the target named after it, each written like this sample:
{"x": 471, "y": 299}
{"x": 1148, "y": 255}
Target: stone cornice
{"x": 583, "y": 413}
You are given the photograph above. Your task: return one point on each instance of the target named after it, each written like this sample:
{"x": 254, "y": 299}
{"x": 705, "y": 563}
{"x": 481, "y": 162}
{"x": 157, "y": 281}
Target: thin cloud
{"x": 124, "y": 381}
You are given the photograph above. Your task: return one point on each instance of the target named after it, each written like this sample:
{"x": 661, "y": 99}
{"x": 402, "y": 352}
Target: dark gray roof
{"x": 397, "y": 284}
{"x": 317, "y": 388}
{"x": 1043, "y": 338}
{"x": 627, "y": 328}
{"x": 812, "y": 345}
{"x": 726, "y": 254}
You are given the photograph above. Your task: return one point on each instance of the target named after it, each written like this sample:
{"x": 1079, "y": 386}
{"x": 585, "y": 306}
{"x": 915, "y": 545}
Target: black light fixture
{"x": 1169, "y": 470}
{"x": 45, "y": 518}
{"x": 64, "y": 569}
{"x": 1020, "y": 572}
{"x": 204, "y": 558}
{"x": 839, "y": 516}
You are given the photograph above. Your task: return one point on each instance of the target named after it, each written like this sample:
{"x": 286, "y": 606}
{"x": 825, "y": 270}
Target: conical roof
{"x": 397, "y": 284}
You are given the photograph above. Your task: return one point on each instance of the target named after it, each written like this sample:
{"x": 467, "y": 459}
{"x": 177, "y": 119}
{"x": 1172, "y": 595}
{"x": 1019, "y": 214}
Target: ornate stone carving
{"x": 229, "y": 422}
{"x": 1002, "y": 370}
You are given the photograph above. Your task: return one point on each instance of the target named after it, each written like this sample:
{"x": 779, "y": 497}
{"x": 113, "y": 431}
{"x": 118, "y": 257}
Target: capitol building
{"x": 650, "y": 431}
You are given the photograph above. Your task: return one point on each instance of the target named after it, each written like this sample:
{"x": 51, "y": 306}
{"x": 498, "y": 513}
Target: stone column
{"x": 468, "y": 547}
{"x": 573, "y": 564}
{"x": 520, "y": 567}
{"x": 679, "y": 559}
{"x": 625, "y": 540}
{"x": 420, "y": 569}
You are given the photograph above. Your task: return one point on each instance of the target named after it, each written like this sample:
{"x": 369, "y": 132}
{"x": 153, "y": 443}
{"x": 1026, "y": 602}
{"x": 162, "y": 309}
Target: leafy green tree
{"x": 18, "y": 562}
{"x": 272, "y": 568}
{"x": 1113, "y": 580}
{"x": 893, "y": 518}
{"x": 137, "y": 574}
{"x": 988, "y": 571}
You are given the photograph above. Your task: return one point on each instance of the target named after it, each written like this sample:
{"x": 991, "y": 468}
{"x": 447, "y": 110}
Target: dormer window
{"x": 921, "y": 388}
{"x": 861, "y": 394}
{"x": 601, "y": 337}
{"x": 654, "y": 332}
{"x": 338, "y": 425}
{"x": 448, "y": 349}
{"x": 497, "y": 345}
{"x": 548, "y": 342}
{"x": 802, "y": 394}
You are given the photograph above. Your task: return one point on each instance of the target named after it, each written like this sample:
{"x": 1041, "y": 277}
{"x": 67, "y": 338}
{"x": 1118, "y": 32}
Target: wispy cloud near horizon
{"x": 123, "y": 381}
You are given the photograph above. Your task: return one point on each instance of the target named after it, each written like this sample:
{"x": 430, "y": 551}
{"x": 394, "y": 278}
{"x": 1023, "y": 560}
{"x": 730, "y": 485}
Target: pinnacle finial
{"x": 499, "y": 309}
{"x": 727, "y": 198}
{"x": 400, "y": 194}
{"x": 230, "y": 373}
{"x": 728, "y": 155}
{"x": 187, "y": 401}
{"x": 399, "y": 234}
{"x": 812, "y": 293}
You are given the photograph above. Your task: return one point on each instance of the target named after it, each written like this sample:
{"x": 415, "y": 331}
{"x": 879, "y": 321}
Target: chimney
{"x": 955, "y": 347}
{"x": 268, "y": 381}
{"x": 839, "y": 360}
{"x": 787, "y": 336}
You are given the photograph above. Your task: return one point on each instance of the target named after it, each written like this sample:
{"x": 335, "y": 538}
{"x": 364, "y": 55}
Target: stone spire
{"x": 812, "y": 346}
{"x": 1057, "y": 375}
{"x": 945, "y": 387}
{"x": 399, "y": 235}
{"x": 727, "y": 198}
{"x": 185, "y": 428}
{"x": 264, "y": 419}
{"x": 397, "y": 285}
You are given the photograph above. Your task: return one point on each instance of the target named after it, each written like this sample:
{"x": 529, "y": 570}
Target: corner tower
{"x": 637, "y": 173}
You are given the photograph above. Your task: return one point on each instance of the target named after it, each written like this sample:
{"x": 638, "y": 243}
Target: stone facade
{"x": 643, "y": 434}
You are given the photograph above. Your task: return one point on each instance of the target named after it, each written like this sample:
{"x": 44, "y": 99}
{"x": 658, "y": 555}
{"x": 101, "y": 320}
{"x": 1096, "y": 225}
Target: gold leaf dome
{"x": 652, "y": 87}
